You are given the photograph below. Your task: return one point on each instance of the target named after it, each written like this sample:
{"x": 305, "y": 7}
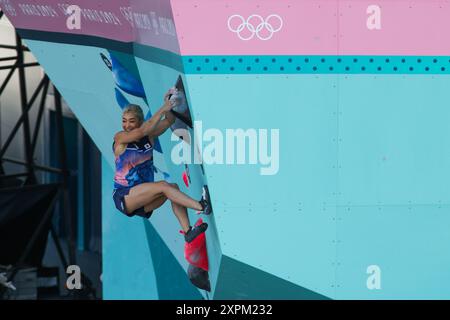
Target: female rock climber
{"x": 135, "y": 191}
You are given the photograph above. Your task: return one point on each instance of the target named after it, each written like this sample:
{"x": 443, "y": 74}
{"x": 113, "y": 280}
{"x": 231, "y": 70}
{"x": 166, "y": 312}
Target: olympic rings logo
{"x": 255, "y": 25}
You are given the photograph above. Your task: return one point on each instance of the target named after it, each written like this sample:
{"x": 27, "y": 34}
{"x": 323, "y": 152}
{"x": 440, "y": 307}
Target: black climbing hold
{"x": 199, "y": 277}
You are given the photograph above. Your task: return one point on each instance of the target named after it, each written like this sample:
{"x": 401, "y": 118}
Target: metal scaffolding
{"x": 29, "y": 143}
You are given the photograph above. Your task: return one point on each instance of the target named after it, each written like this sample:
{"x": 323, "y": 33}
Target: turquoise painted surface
{"x": 86, "y": 85}
{"x": 294, "y": 206}
{"x": 364, "y": 141}
{"x": 316, "y": 64}
{"x": 173, "y": 284}
{"x": 393, "y": 140}
{"x": 157, "y": 79}
{"x": 128, "y": 271}
{"x": 409, "y": 243}
{"x": 242, "y": 282}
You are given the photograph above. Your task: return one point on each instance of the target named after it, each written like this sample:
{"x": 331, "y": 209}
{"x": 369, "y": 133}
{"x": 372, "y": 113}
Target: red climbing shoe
{"x": 194, "y": 232}
{"x": 195, "y": 251}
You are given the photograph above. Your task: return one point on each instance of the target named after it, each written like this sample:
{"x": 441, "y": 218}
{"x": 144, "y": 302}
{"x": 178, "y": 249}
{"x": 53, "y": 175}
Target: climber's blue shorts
{"x": 119, "y": 200}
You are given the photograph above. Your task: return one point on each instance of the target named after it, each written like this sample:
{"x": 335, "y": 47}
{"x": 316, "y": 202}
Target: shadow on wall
{"x": 172, "y": 281}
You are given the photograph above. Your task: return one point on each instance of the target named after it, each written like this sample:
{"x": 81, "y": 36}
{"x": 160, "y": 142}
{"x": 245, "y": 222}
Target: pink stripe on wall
{"x": 420, "y": 27}
{"x": 48, "y": 15}
{"x": 321, "y": 27}
{"x": 309, "y": 27}
{"x": 142, "y": 21}
{"x": 162, "y": 32}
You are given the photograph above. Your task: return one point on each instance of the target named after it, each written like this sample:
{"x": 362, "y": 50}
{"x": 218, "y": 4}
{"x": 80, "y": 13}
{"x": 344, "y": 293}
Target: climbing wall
{"x": 348, "y": 199}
